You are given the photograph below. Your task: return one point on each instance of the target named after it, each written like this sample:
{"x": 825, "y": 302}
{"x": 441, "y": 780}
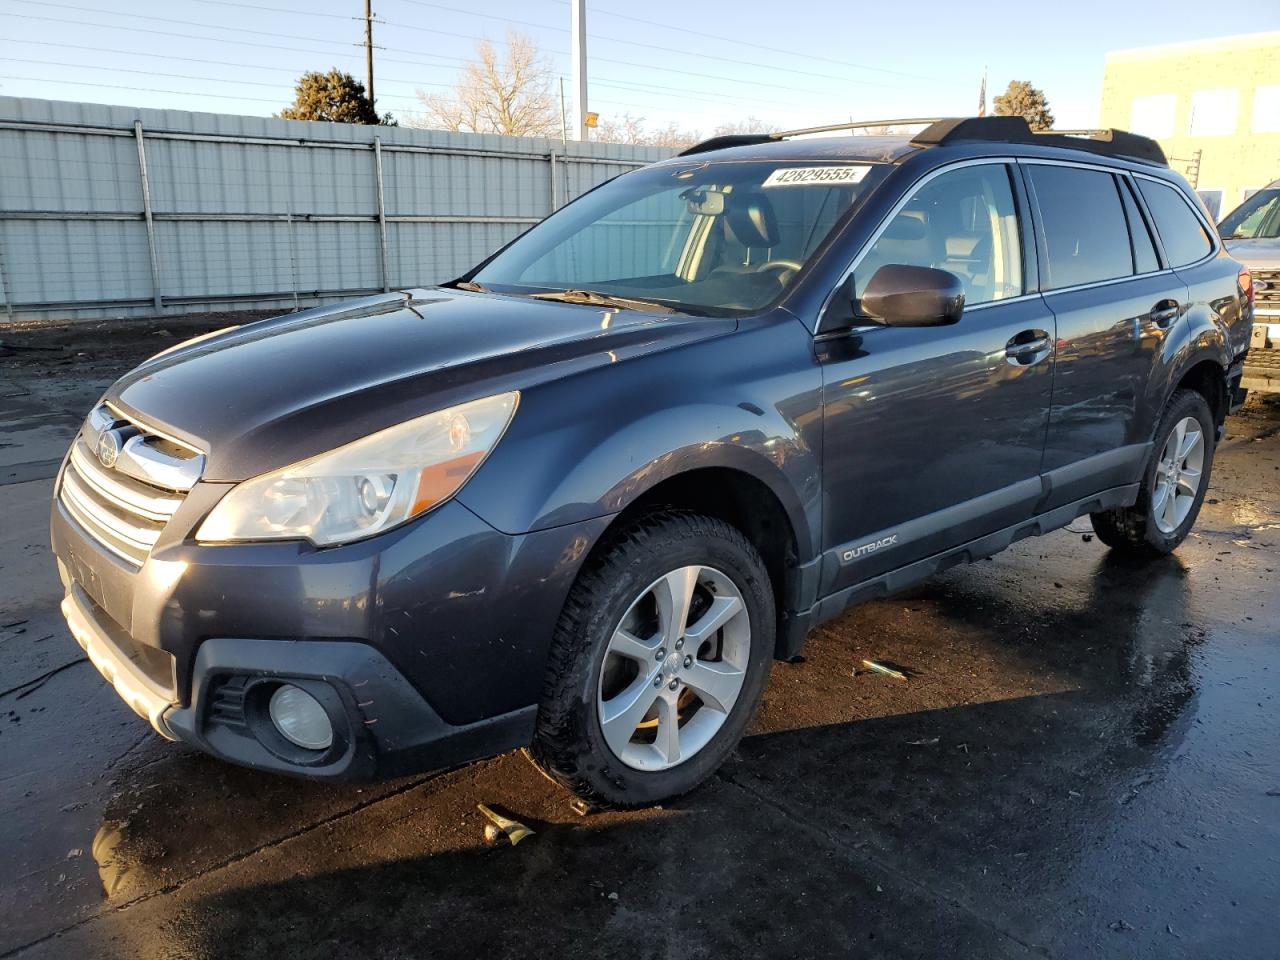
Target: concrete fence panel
{"x": 116, "y": 211}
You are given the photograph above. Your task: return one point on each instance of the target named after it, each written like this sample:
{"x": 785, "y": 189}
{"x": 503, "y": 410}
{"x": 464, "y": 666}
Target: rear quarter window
{"x": 1086, "y": 237}
{"x": 1183, "y": 235}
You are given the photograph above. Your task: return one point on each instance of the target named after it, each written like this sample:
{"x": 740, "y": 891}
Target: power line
{"x": 701, "y": 54}
{"x": 464, "y": 36}
{"x": 173, "y": 76}
{"x": 807, "y": 55}
{"x": 251, "y": 83}
{"x": 233, "y": 63}
{"x": 739, "y": 81}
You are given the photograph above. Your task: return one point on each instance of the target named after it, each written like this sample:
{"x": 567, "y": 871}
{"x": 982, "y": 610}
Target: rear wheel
{"x": 658, "y": 662}
{"x": 1173, "y": 486}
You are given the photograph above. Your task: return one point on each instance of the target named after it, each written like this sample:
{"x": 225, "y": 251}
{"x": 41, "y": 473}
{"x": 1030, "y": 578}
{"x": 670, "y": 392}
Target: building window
{"x": 1153, "y": 116}
{"x": 1212, "y": 202}
{"x": 1266, "y": 109}
{"x": 1213, "y": 112}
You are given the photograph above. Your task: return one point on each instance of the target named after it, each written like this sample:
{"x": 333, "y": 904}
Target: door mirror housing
{"x": 899, "y": 295}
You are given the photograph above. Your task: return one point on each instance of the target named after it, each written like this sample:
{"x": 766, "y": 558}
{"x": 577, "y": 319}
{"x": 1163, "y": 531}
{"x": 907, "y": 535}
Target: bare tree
{"x": 749, "y": 125}
{"x": 631, "y": 129}
{"x": 511, "y": 95}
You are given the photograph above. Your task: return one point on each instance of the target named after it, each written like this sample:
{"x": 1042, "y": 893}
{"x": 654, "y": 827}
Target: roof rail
{"x": 750, "y": 139}
{"x": 857, "y": 125}
{"x": 940, "y": 131}
{"x": 1110, "y": 143}
{"x": 729, "y": 140}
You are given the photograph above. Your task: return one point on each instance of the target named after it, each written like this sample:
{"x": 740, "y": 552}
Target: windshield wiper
{"x": 597, "y": 299}
{"x": 472, "y": 286}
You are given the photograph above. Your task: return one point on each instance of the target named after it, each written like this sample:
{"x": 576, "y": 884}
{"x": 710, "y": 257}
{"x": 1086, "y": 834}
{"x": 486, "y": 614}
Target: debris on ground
{"x": 499, "y": 826}
{"x": 876, "y": 667}
{"x": 923, "y": 742}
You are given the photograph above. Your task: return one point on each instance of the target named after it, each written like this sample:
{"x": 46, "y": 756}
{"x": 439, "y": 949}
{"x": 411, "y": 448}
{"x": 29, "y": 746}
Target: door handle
{"x": 1028, "y": 347}
{"x": 1165, "y": 312}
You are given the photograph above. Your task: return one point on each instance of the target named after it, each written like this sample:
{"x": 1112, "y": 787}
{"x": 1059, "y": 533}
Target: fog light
{"x": 300, "y": 718}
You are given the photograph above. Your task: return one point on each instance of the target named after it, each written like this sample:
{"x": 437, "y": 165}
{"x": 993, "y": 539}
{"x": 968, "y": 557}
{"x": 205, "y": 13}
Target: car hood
{"x": 1263, "y": 253}
{"x": 259, "y": 397}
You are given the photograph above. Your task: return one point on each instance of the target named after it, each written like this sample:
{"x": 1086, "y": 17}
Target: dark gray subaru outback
{"x": 578, "y": 499}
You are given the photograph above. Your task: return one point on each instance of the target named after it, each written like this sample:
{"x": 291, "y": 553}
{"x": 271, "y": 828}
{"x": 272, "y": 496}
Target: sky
{"x": 695, "y": 63}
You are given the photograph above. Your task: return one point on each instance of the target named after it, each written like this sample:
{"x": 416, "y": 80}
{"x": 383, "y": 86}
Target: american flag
{"x": 982, "y": 96}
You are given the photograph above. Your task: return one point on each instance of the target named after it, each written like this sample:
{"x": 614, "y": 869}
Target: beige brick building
{"x": 1219, "y": 97}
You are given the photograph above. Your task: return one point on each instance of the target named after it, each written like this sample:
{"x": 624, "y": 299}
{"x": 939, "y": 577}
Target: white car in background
{"x": 1252, "y": 235}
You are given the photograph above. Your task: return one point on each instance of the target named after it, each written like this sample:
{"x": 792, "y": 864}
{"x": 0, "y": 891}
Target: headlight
{"x": 367, "y": 486}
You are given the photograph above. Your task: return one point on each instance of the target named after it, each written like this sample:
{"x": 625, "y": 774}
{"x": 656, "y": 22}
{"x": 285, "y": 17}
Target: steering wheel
{"x": 780, "y": 265}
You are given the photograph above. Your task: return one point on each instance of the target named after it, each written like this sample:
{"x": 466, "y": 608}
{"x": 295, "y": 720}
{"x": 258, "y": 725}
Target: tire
{"x": 1154, "y": 526}
{"x": 598, "y": 677}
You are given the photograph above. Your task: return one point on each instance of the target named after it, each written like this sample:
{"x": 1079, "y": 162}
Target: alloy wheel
{"x": 1178, "y": 475}
{"x": 674, "y": 668}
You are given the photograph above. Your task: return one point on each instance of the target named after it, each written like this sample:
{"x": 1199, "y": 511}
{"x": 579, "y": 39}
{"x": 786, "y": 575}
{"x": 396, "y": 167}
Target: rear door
{"x": 1189, "y": 248}
{"x": 1114, "y": 302}
{"x": 933, "y": 436}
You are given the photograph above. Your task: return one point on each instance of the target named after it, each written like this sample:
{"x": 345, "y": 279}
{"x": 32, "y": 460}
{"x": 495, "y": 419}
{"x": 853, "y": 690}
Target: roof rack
{"x": 1110, "y": 143}
{"x": 940, "y": 131}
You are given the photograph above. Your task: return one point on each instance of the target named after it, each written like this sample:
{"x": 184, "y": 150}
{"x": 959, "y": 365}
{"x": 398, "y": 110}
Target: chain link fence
{"x": 114, "y": 211}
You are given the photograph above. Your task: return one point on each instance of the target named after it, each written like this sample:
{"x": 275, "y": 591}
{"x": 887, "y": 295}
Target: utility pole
{"x": 368, "y": 50}
{"x": 578, "y": 53}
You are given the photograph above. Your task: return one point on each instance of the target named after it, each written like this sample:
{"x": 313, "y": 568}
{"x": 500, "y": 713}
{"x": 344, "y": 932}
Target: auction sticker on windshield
{"x": 800, "y": 176}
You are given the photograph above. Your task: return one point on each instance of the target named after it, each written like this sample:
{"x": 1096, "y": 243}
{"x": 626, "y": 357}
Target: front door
{"x": 933, "y": 436}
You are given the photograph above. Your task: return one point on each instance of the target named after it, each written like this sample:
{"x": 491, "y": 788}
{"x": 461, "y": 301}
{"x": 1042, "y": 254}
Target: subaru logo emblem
{"x": 1261, "y": 285}
{"x": 108, "y": 449}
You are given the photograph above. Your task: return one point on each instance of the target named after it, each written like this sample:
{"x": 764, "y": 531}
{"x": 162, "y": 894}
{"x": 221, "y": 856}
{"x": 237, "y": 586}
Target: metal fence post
{"x": 555, "y": 186}
{"x": 293, "y": 260}
{"x": 382, "y": 213}
{"x": 146, "y": 213}
{"x": 5, "y": 295}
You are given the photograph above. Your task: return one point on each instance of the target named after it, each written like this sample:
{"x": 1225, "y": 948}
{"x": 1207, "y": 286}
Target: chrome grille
{"x": 1266, "y": 287}
{"x": 124, "y": 481}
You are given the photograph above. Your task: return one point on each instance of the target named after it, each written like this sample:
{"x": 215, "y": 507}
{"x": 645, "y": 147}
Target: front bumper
{"x": 426, "y": 646}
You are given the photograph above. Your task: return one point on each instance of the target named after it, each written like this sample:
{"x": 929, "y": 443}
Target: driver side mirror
{"x": 899, "y": 295}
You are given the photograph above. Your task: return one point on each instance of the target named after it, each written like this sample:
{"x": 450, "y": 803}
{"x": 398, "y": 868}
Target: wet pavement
{"x": 1084, "y": 762}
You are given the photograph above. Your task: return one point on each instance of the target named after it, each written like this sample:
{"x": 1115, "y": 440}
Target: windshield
{"x": 715, "y": 239}
{"x": 1256, "y": 218}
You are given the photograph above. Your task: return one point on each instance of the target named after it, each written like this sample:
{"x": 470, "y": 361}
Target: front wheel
{"x": 658, "y": 662}
{"x": 1173, "y": 486}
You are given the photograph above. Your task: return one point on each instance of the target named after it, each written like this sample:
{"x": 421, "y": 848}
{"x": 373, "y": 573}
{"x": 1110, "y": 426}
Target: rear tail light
{"x": 1246, "y": 286}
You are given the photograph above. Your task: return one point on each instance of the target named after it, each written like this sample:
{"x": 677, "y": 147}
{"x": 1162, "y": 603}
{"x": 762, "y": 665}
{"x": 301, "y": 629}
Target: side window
{"x": 1144, "y": 251}
{"x": 1086, "y": 238}
{"x": 1183, "y": 235}
{"x": 963, "y": 221}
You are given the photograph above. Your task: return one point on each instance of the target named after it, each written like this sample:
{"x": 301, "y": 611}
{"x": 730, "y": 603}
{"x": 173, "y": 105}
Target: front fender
{"x": 588, "y": 445}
